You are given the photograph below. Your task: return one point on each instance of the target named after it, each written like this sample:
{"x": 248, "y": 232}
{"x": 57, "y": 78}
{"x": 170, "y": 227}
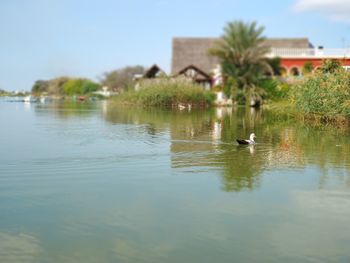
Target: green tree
{"x": 56, "y": 85}
{"x": 330, "y": 65}
{"x": 275, "y": 64}
{"x": 80, "y": 86}
{"x": 53, "y": 86}
{"x": 242, "y": 54}
{"x": 121, "y": 79}
{"x": 40, "y": 86}
{"x": 307, "y": 67}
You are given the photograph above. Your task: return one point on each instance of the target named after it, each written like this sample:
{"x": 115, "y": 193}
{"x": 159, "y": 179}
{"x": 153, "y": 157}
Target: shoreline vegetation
{"x": 166, "y": 92}
{"x": 65, "y": 86}
{"x": 287, "y": 109}
{"x": 4, "y": 93}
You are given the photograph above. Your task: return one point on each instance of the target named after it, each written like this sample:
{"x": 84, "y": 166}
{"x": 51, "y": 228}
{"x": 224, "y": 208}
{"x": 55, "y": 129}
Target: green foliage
{"x": 80, "y": 87}
{"x": 241, "y": 51}
{"x": 330, "y": 65}
{"x": 4, "y": 93}
{"x": 167, "y": 92}
{"x": 275, "y": 64}
{"x": 53, "y": 86}
{"x": 242, "y": 54}
{"x": 274, "y": 89}
{"x": 121, "y": 79}
{"x": 307, "y": 67}
{"x": 326, "y": 94}
{"x": 230, "y": 87}
{"x": 240, "y": 97}
{"x": 65, "y": 86}
{"x": 56, "y": 85}
{"x": 40, "y": 86}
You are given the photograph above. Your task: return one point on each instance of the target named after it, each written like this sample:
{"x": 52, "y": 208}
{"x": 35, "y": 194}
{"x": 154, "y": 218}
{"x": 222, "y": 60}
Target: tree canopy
{"x": 120, "y": 79}
{"x": 242, "y": 54}
{"x": 65, "y": 86}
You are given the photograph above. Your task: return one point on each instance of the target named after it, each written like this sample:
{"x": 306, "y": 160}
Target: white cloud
{"x": 337, "y": 10}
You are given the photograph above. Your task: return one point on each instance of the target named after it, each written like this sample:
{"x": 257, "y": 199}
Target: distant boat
{"x": 250, "y": 141}
{"x": 44, "y": 99}
{"x": 30, "y": 99}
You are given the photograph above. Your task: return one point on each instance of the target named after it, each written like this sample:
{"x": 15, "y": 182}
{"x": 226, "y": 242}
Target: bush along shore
{"x": 324, "y": 95}
{"x": 64, "y": 86}
{"x": 165, "y": 92}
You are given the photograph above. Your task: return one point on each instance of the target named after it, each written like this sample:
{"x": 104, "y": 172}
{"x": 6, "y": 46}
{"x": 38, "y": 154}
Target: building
{"x": 294, "y": 52}
{"x": 154, "y": 72}
{"x": 293, "y": 59}
{"x": 196, "y": 75}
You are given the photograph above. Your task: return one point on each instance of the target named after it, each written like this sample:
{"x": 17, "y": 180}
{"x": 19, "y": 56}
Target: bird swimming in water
{"x": 250, "y": 141}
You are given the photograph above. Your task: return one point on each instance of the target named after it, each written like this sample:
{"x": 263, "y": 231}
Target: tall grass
{"x": 324, "y": 94}
{"x": 167, "y": 92}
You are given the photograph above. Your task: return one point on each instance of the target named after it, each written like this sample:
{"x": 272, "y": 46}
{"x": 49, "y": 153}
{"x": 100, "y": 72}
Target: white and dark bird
{"x": 250, "y": 141}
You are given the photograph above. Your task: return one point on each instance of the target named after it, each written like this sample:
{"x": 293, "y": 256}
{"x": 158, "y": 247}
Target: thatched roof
{"x": 153, "y": 72}
{"x": 194, "y": 73}
{"x": 194, "y": 51}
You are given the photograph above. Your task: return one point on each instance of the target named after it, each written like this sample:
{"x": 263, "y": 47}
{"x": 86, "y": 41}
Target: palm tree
{"x": 242, "y": 54}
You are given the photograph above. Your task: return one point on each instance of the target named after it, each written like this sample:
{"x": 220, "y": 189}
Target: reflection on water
{"x": 19, "y": 248}
{"x": 207, "y": 140}
{"x": 65, "y": 109}
{"x": 91, "y": 182}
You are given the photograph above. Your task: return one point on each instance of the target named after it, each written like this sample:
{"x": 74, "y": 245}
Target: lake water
{"x": 96, "y": 183}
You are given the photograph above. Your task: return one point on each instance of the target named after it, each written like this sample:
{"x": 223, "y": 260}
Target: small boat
{"x": 29, "y": 99}
{"x": 44, "y": 99}
{"x": 250, "y": 141}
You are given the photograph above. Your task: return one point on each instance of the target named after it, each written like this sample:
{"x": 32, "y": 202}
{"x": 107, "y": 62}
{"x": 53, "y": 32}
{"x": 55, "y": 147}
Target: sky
{"x": 44, "y": 39}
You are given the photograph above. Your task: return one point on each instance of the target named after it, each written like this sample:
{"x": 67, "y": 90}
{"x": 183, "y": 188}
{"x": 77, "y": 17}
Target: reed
{"x": 324, "y": 96}
{"x": 167, "y": 92}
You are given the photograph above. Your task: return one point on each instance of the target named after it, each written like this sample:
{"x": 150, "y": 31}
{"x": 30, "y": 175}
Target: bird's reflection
{"x": 251, "y": 149}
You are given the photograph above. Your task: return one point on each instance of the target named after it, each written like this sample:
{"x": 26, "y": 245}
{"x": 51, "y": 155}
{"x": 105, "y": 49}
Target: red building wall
{"x": 289, "y": 63}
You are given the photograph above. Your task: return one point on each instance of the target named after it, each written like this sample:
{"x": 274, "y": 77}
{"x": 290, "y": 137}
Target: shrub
{"x": 80, "y": 87}
{"x": 53, "y": 86}
{"x": 324, "y": 93}
{"x": 40, "y": 86}
{"x": 307, "y": 68}
{"x": 330, "y": 65}
{"x": 56, "y": 85}
{"x": 274, "y": 89}
{"x": 3, "y": 92}
{"x": 167, "y": 92}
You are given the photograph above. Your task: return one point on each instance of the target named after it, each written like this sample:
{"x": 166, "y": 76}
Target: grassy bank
{"x": 288, "y": 109}
{"x": 167, "y": 93}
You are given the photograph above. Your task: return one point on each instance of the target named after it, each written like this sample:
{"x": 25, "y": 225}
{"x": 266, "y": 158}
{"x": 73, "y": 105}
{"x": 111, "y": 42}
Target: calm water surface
{"x": 95, "y": 183}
